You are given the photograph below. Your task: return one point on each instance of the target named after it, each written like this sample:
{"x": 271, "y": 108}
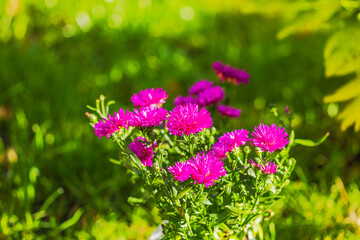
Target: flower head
{"x": 154, "y": 97}
{"x": 219, "y": 150}
{"x": 106, "y": 127}
{"x": 211, "y": 96}
{"x": 234, "y": 139}
{"x": 187, "y": 119}
{"x": 230, "y": 74}
{"x": 144, "y": 153}
{"x": 228, "y": 111}
{"x": 269, "y": 168}
{"x": 147, "y": 117}
{"x": 269, "y": 138}
{"x": 200, "y": 86}
{"x": 227, "y": 142}
{"x": 180, "y": 100}
{"x": 181, "y": 170}
{"x": 206, "y": 168}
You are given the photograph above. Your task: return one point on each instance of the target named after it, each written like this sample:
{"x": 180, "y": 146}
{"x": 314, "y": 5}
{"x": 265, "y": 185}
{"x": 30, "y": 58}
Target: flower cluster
{"x": 204, "y": 168}
{"x": 194, "y": 169}
{"x": 230, "y": 74}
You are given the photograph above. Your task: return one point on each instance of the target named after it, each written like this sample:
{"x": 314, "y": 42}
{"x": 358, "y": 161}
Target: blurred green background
{"x": 57, "y": 56}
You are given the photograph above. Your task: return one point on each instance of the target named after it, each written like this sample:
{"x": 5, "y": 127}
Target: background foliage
{"x": 57, "y": 56}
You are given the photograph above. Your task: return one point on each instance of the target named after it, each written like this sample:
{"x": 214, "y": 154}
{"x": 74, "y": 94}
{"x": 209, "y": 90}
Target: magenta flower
{"x": 187, "y": 119}
{"x": 228, "y": 111}
{"x": 227, "y": 142}
{"x": 211, "y": 96}
{"x": 219, "y": 150}
{"x": 269, "y": 138}
{"x": 269, "y": 168}
{"x": 147, "y": 117}
{"x": 180, "y": 100}
{"x": 106, "y": 127}
{"x": 200, "y": 86}
{"x": 181, "y": 171}
{"x": 252, "y": 162}
{"x": 144, "y": 153}
{"x": 234, "y": 139}
{"x": 154, "y": 97}
{"x": 206, "y": 168}
{"x": 230, "y": 74}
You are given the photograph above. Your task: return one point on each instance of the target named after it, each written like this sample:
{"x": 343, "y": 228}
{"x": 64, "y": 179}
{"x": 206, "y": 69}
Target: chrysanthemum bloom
{"x": 206, "y": 168}
{"x": 269, "y": 138}
{"x": 200, "y": 86}
{"x": 147, "y": 117}
{"x": 181, "y": 170}
{"x": 180, "y": 100}
{"x": 219, "y": 150}
{"x": 106, "y": 127}
{"x": 269, "y": 168}
{"x": 228, "y": 111}
{"x": 154, "y": 97}
{"x": 211, "y": 96}
{"x": 230, "y": 74}
{"x": 187, "y": 119}
{"x": 234, "y": 139}
{"x": 144, "y": 153}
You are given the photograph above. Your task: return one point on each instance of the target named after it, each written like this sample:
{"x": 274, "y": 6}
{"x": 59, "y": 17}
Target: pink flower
{"x": 180, "y": 100}
{"x": 219, "y": 150}
{"x": 254, "y": 163}
{"x": 106, "y": 127}
{"x": 206, "y": 168}
{"x": 154, "y": 97}
{"x": 181, "y": 171}
{"x": 187, "y": 119}
{"x": 228, "y": 111}
{"x": 269, "y": 168}
{"x": 227, "y": 142}
{"x": 200, "y": 86}
{"x": 144, "y": 153}
{"x": 211, "y": 96}
{"x": 147, "y": 117}
{"x": 230, "y": 74}
{"x": 269, "y": 138}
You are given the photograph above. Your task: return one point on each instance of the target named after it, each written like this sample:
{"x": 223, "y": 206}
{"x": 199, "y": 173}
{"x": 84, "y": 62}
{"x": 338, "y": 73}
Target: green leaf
{"x": 342, "y": 52}
{"x": 251, "y": 172}
{"x": 311, "y": 143}
{"x": 270, "y": 186}
{"x": 187, "y": 218}
{"x": 134, "y": 200}
{"x": 351, "y": 115}
{"x": 183, "y": 192}
{"x": 235, "y": 211}
{"x": 346, "y": 92}
{"x": 222, "y": 217}
{"x": 204, "y": 200}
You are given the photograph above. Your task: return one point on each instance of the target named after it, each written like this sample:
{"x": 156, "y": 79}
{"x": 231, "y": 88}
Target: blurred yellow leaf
{"x": 351, "y": 115}
{"x": 342, "y": 52}
{"x": 348, "y": 91}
